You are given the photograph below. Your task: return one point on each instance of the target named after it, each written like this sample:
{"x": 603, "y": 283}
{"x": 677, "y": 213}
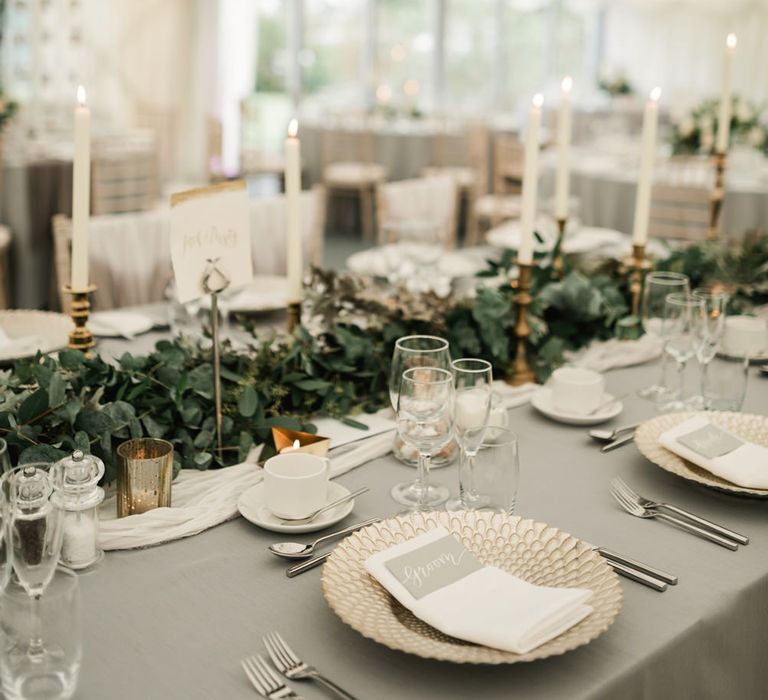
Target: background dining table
{"x": 173, "y": 621}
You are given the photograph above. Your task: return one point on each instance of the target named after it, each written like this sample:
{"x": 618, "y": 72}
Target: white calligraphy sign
{"x": 210, "y": 230}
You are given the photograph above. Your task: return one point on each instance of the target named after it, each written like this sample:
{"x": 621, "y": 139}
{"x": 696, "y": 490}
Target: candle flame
{"x": 567, "y": 83}
{"x": 293, "y": 128}
{"x": 731, "y": 41}
{"x": 538, "y": 100}
{"x": 81, "y": 95}
{"x": 656, "y": 94}
{"x": 296, "y": 444}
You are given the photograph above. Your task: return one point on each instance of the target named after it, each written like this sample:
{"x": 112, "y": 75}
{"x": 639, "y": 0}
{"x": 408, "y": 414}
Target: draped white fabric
{"x": 131, "y": 258}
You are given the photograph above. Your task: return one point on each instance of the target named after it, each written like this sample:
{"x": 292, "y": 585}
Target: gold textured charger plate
{"x": 533, "y": 551}
{"x": 744, "y": 425}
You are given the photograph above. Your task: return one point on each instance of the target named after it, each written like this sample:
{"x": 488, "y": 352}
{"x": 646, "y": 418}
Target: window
{"x": 331, "y": 54}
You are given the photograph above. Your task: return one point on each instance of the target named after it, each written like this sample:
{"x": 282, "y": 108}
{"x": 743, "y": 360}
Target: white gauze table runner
{"x": 202, "y": 499}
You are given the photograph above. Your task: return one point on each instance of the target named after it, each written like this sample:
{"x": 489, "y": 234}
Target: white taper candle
{"x": 530, "y": 182}
{"x": 724, "y": 114}
{"x": 645, "y": 176}
{"x": 562, "y": 183}
{"x": 81, "y": 193}
{"x": 294, "y": 258}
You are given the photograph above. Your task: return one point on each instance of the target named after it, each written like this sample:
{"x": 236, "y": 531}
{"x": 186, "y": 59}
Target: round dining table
{"x": 174, "y": 620}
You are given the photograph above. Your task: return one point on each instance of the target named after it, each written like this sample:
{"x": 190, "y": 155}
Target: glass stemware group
{"x": 439, "y": 402}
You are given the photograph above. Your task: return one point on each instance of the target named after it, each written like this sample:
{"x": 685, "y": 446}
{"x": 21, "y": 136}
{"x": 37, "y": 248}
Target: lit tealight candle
{"x": 296, "y": 445}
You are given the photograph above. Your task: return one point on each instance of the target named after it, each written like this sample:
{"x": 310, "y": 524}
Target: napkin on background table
{"x": 738, "y": 461}
{"x": 470, "y": 601}
{"x": 202, "y": 499}
{"x": 11, "y": 348}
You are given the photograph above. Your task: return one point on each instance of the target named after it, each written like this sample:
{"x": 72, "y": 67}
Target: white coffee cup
{"x": 745, "y": 335}
{"x": 296, "y": 484}
{"x": 576, "y": 390}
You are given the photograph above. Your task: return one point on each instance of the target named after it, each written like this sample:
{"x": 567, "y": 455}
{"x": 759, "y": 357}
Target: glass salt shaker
{"x": 78, "y": 494}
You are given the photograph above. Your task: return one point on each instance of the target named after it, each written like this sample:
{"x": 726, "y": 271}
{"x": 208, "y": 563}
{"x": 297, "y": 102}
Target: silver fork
{"x": 294, "y": 668}
{"x": 624, "y": 487}
{"x": 634, "y": 508}
{"x": 266, "y": 681}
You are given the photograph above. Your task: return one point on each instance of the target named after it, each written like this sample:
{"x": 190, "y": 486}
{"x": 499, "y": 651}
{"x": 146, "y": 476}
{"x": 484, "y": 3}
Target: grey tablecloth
{"x": 174, "y": 621}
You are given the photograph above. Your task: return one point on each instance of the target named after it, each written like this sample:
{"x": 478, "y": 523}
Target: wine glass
{"x": 683, "y": 330}
{"x": 712, "y": 332}
{"x": 425, "y": 422}
{"x": 657, "y": 286}
{"x": 5, "y": 551}
{"x": 35, "y": 536}
{"x": 415, "y": 351}
{"x": 472, "y": 380}
{"x": 5, "y": 458}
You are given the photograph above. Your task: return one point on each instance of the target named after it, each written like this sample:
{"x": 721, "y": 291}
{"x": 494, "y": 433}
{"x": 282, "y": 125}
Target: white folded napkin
{"x": 11, "y": 348}
{"x": 202, "y": 499}
{"x": 441, "y": 582}
{"x": 512, "y": 396}
{"x": 602, "y": 355}
{"x": 715, "y": 449}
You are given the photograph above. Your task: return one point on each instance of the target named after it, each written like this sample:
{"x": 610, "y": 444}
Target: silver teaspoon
{"x": 297, "y": 550}
{"x": 610, "y": 435}
{"x": 325, "y": 508}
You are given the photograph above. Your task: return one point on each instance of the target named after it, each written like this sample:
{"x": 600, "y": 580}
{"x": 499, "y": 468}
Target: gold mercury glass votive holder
{"x": 144, "y": 474}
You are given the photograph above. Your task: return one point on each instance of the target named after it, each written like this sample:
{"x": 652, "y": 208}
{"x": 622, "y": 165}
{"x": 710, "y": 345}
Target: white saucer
{"x": 542, "y": 402}
{"x": 758, "y": 358}
{"x": 251, "y": 507}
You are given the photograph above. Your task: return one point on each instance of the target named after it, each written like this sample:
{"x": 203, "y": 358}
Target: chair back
{"x": 508, "y": 164}
{"x": 421, "y": 209}
{"x": 468, "y": 147}
{"x": 124, "y": 176}
{"x": 679, "y": 212}
{"x": 342, "y": 144}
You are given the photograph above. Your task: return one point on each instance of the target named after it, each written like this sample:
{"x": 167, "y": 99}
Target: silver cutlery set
{"x": 614, "y": 438}
{"x": 270, "y": 682}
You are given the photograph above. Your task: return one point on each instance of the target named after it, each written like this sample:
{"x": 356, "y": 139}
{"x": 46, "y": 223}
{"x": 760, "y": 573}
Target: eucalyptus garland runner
{"x": 336, "y": 363}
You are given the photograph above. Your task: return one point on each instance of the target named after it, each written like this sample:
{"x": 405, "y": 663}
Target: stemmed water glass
{"x": 657, "y": 286}
{"x": 424, "y": 421}
{"x": 683, "y": 330}
{"x": 712, "y": 332}
{"x": 414, "y": 351}
{"x": 34, "y": 537}
{"x": 472, "y": 380}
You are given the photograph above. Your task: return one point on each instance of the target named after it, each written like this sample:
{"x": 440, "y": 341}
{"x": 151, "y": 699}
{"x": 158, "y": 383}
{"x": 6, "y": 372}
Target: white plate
{"x": 756, "y": 359}
{"x": 264, "y": 293}
{"x": 119, "y": 324}
{"x": 251, "y": 507}
{"x": 542, "y": 402}
{"x": 45, "y": 331}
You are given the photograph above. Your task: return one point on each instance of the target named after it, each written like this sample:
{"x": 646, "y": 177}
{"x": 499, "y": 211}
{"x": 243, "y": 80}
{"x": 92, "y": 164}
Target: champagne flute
{"x": 415, "y": 351}
{"x": 473, "y": 389}
{"x": 425, "y": 422}
{"x": 657, "y": 286}
{"x": 35, "y": 536}
{"x": 714, "y": 325}
{"x": 683, "y": 330}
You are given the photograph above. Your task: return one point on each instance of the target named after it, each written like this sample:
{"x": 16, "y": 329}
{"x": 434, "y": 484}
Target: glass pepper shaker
{"x": 78, "y": 494}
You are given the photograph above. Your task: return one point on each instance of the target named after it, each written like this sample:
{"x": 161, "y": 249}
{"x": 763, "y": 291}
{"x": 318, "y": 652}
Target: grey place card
{"x": 433, "y": 566}
{"x": 710, "y": 441}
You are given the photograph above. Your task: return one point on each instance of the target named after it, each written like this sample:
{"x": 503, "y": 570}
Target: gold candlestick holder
{"x": 81, "y": 337}
{"x": 635, "y": 267}
{"x": 557, "y": 259}
{"x": 717, "y": 196}
{"x": 521, "y": 370}
{"x": 294, "y": 315}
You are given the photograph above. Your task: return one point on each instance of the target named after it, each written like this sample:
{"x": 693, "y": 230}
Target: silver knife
{"x": 297, "y": 569}
{"x": 640, "y": 566}
{"x": 637, "y": 575}
{"x": 618, "y": 442}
